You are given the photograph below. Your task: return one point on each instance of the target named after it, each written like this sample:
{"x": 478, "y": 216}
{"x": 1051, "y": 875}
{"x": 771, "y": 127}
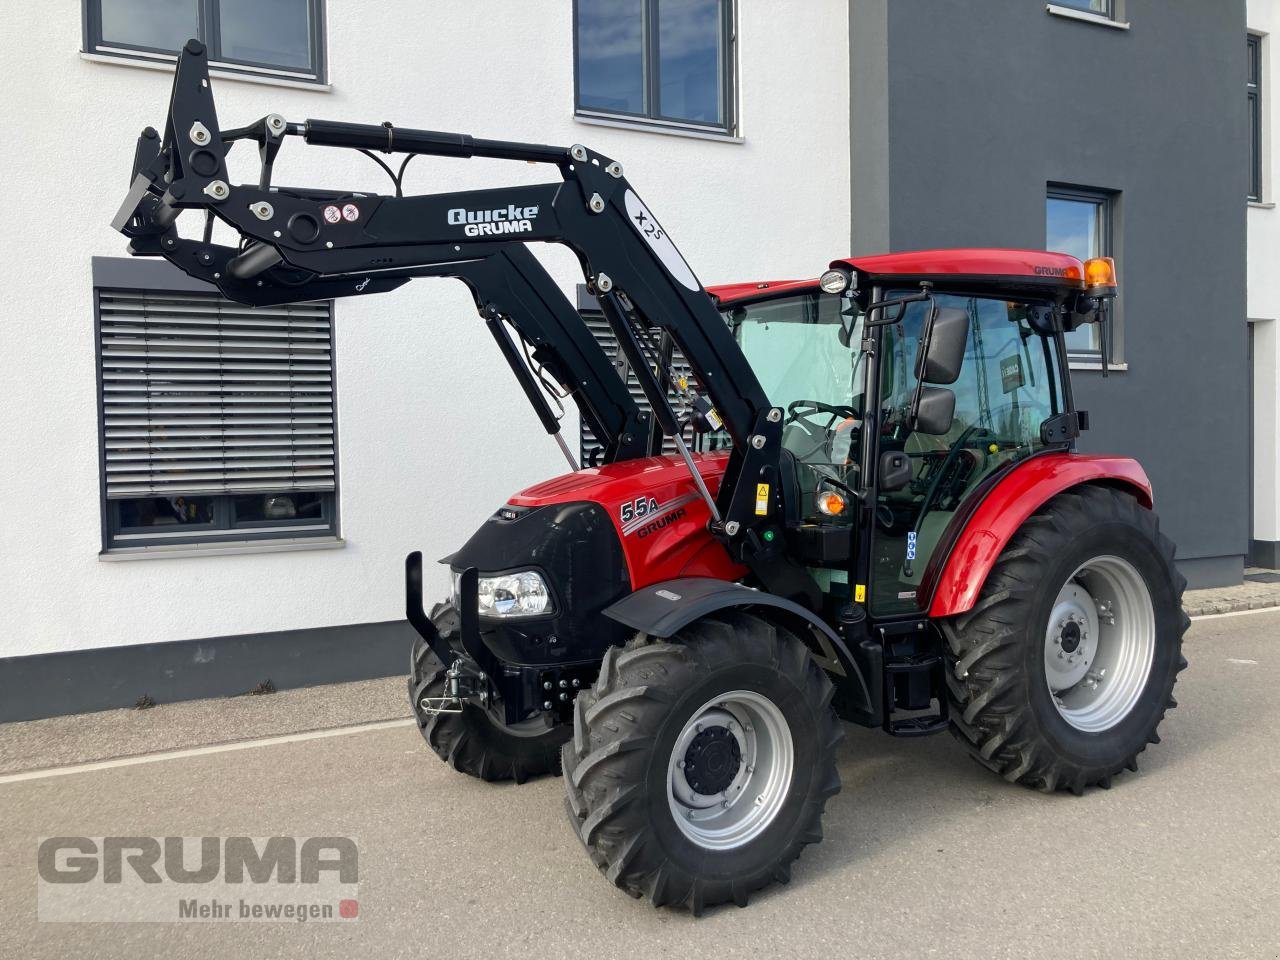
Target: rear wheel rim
{"x": 1100, "y": 644}
{"x": 730, "y": 770}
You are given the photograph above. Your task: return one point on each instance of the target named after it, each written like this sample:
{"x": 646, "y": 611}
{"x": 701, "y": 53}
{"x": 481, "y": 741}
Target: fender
{"x": 661, "y": 609}
{"x": 953, "y": 587}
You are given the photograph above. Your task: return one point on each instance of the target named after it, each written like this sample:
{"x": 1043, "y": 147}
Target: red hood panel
{"x": 608, "y": 484}
{"x": 655, "y": 507}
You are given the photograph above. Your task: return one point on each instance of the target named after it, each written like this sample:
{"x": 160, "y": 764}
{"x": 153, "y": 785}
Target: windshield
{"x": 794, "y": 346}
{"x": 803, "y": 350}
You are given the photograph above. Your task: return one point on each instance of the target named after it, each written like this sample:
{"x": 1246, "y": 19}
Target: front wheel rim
{"x": 730, "y": 770}
{"x": 1100, "y": 644}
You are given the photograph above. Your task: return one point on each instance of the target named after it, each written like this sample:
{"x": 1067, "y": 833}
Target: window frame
{"x": 1254, "y": 91}
{"x": 225, "y": 530}
{"x": 1109, "y": 11}
{"x": 651, "y": 118}
{"x": 225, "y": 527}
{"x": 1107, "y": 201}
{"x": 1113, "y": 18}
{"x": 207, "y": 22}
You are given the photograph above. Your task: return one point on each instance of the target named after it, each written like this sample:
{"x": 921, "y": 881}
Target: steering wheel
{"x": 803, "y": 409}
{"x": 801, "y": 413}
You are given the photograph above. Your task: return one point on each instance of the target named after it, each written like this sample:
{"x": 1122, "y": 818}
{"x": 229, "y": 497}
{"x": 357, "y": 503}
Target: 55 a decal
{"x": 644, "y": 515}
{"x": 637, "y": 508}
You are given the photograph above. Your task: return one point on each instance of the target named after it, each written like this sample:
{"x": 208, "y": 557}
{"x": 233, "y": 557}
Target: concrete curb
{"x": 1210, "y": 605}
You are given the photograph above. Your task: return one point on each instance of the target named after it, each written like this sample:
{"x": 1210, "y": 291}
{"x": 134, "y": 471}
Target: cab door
{"x": 1005, "y": 390}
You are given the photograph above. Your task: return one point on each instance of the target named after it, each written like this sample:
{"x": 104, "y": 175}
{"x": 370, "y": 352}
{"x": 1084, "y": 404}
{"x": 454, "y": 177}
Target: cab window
{"x": 803, "y": 350}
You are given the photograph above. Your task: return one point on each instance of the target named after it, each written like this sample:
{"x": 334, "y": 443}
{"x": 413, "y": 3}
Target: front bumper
{"x": 476, "y": 676}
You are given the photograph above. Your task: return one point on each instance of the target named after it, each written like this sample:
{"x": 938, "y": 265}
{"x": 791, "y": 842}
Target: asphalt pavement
{"x": 926, "y": 854}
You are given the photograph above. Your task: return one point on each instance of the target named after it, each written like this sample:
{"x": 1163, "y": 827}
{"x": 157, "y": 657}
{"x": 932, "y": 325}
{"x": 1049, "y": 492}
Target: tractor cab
{"x": 910, "y": 383}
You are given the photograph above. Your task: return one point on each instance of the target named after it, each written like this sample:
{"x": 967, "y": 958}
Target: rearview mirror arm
{"x": 926, "y": 293}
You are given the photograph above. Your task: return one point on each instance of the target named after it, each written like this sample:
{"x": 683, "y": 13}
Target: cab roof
{"x": 1058, "y": 272}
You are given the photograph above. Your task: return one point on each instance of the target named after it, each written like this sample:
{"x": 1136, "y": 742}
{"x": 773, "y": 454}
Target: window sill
{"x": 650, "y": 126}
{"x": 1095, "y": 365}
{"x": 222, "y": 548}
{"x": 1085, "y": 16}
{"x": 267, "y": 79}
{"x": 1261, "y": 205}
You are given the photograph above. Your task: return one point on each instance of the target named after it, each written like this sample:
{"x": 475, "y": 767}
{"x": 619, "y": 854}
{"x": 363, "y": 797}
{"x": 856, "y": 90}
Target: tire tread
{"x": 991, "y": 715}
{"x": 616, "y": 719}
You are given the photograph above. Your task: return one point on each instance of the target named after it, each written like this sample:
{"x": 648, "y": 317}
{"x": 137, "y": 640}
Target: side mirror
{"x": 941, "y": 352}
{"x": 935, "y": 409}
{"x": 895, "y": 471}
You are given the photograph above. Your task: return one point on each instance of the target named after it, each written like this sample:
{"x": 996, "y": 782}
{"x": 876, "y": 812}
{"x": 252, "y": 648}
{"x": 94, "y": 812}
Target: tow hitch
{"x": 463, "y": 682}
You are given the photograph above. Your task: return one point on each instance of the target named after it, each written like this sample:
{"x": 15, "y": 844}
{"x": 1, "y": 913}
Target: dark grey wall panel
{"x": 869, "y": 170}
{"x": 990, "y": 100}
{"x": 48, "y": 685}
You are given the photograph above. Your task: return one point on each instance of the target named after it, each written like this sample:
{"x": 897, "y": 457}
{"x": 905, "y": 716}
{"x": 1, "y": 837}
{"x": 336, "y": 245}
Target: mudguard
{"x": 955, "y": 576}
{"x": 661, "y": 609}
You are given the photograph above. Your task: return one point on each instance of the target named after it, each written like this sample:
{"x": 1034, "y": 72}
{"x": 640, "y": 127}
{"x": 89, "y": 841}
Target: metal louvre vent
{"x": 201, "y": 395}
{"x": 604, "y": 335}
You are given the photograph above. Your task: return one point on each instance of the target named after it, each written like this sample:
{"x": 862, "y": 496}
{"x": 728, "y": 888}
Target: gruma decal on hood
{"x": 645, "y": 516}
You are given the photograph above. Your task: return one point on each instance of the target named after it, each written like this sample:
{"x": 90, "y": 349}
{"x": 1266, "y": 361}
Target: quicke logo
{"x": 485, "y": 223}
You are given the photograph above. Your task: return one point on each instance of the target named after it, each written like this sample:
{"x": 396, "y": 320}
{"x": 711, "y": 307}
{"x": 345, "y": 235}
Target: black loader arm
{"x": 302, "y": 244}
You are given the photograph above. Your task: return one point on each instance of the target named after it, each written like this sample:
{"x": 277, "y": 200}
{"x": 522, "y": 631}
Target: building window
{"x": 216, "y": 419}
{"x": 283, "y": 38}
{"x": 1255, "y": 117}
{"x": 1080, "y": 222}
{"x": 656, "y": 62}
{"x": 1103, "y": 8}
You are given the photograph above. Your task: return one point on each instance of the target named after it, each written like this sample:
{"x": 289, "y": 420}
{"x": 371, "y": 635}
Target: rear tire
{"x": 1063, "y": 670}
{"x": 473, "y": 742}
{"x": 699, "y": 769}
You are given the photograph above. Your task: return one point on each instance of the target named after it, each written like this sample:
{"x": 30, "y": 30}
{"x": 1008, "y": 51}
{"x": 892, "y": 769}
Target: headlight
{"x": 523, "y": 594}
{"x": 834, "y": 281}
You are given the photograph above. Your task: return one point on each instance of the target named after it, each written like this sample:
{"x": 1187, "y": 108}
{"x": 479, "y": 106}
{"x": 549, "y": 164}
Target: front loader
{"x": 874, "y": 511}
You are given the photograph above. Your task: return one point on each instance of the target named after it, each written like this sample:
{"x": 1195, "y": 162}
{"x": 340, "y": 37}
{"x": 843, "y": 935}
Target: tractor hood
{"x": 655, "y": 511}
{"x": 594, "y": 536}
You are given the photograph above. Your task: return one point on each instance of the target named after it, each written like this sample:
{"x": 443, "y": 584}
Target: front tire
{"x": 699, "y": 768}
{"x": 473, "y": 742}
{"x": 1063, "y": 670}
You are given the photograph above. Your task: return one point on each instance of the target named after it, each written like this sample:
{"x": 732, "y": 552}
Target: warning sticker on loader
{"x": 762, "y": 499}
{"x": 860, "y": 593}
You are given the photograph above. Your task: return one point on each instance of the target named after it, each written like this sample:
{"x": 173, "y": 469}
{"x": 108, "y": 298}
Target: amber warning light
{"x": 1100, "y": 277}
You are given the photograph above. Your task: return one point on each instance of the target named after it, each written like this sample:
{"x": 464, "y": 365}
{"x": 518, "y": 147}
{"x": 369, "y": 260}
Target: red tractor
{"x": 852, "y": 498}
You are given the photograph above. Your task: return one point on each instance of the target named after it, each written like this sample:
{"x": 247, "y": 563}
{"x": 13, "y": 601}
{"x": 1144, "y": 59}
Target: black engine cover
{"x": 574, "y": 546}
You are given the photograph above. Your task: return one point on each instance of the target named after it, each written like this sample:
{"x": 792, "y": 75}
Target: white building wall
{"x": 434, "y": 434}
{"x": 1264, "y": 289}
